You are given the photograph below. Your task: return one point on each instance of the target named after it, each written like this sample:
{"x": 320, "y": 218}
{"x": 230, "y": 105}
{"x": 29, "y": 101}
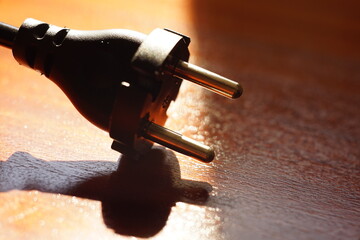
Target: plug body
{"x": 120, "y": 80}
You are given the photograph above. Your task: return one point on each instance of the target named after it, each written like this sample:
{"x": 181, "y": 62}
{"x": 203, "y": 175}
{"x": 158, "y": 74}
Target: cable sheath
{"x": 7, "y": 34}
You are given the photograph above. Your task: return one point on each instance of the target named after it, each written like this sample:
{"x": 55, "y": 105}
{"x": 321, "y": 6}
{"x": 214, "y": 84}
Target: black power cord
{"x": 7, "y": 34}
{"x": 120, "y": 80}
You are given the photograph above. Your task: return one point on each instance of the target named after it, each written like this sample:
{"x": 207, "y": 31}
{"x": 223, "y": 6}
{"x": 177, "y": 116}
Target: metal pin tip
{"x": 238, "y": 92}
{"x": 210, "y": 155}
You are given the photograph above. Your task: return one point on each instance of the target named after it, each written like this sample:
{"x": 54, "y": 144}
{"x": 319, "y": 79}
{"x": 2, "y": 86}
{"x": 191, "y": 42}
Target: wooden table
{"x": 288, "y": 155}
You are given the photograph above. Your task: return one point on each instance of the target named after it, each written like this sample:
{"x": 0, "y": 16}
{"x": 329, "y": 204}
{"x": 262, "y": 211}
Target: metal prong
{"x": 207, "y": 79}
{"x": 178, "y": 142}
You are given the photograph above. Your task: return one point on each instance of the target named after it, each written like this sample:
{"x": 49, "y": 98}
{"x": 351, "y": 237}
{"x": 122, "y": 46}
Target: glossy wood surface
{"x": 288, "y": 154}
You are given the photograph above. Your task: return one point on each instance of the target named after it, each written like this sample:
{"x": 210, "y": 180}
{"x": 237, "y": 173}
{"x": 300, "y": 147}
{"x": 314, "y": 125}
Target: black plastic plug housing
{"x": 115, "y": 78}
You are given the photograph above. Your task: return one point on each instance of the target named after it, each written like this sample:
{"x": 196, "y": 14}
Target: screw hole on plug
{"x": 59, "y": 37}
{"x": 40, "y": 30}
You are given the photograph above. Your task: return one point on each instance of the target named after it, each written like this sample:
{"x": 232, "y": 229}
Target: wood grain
{"x": 288, "y": 155}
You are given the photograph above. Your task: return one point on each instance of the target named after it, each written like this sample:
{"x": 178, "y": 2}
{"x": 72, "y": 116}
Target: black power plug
{"x": 120, "y": 80}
